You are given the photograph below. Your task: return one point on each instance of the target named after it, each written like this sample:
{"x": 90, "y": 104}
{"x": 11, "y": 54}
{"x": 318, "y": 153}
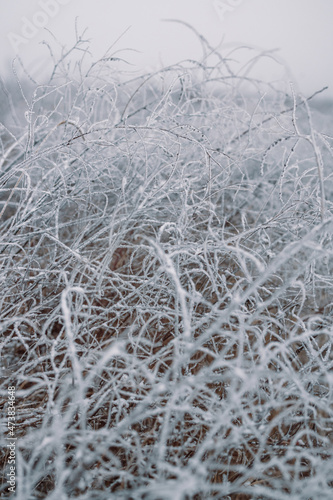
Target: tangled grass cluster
{"x": 166, "y": 268}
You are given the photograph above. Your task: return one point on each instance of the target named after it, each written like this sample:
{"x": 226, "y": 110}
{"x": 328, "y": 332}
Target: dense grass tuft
{"x": 166, "y": 277}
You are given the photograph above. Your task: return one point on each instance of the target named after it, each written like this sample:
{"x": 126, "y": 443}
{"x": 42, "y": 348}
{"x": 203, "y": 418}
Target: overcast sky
{"x": 301, "y": 29}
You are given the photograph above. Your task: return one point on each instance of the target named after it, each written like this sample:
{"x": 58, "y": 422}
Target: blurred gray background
{"x": 300, "y": 29}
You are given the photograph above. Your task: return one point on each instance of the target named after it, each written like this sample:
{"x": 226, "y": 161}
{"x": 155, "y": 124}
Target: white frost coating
{"x": 181, "y": 293}
{"x": 166, "y": 285}
{"x": 68, "y": 327}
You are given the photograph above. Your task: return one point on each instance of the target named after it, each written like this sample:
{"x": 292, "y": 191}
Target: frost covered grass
{"x": 166, "y": 278}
